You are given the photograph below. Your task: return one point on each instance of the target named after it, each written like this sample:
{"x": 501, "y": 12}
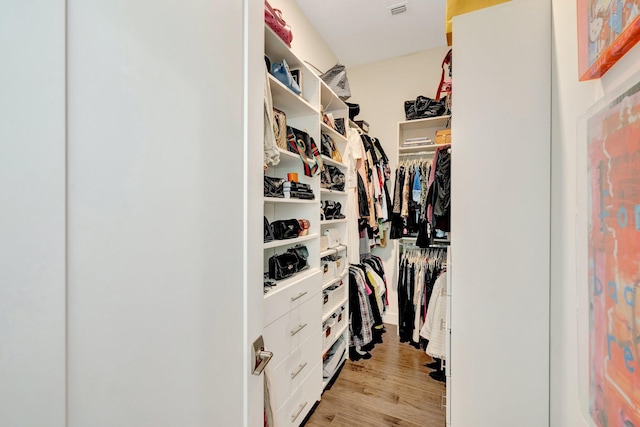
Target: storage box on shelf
{"x": 333, "y": 297}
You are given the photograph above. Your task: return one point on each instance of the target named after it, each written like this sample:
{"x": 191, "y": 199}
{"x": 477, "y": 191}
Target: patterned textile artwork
{"x": 613, "y": 135}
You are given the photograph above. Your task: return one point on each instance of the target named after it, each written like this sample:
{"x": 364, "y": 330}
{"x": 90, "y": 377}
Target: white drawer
{"x": 281, "y": 302}
{"x": 302, "y": 399}
{"x": 310, "y": 354}
{"x": 282, "y": 336}
{"x": 280, "y": 379}
{"x": 310, "y": 315}
{"x": 288, "y": 376}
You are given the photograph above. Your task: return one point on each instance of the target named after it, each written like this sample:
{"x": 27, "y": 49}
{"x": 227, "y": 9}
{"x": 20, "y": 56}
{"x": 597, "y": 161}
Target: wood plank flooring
{"x": 393, "y": 388}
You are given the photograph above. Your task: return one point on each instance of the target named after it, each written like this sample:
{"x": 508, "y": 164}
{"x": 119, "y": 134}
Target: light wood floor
{"x": 393, "y": 388}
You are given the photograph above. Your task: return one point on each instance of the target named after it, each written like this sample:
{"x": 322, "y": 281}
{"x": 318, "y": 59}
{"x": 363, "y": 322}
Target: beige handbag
{"x": 280, "y": 128}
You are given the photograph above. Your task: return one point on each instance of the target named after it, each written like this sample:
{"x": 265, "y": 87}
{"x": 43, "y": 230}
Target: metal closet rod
{"x": 420, "y": 153}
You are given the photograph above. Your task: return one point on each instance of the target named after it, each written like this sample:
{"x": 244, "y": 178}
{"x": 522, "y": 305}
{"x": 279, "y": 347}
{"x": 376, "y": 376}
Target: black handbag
{"x": 273, "y": 187}
{"x": 285, "y": 229}
{"x": 423, "y": 107}
{"x": 283, "y": 265}
{"x": 332, "y": 178}
{"x": 268, "y": 231}
{"x": 302, "y": 253}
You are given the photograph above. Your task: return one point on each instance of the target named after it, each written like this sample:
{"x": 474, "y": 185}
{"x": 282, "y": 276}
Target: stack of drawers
{"x": 293, "y": 320}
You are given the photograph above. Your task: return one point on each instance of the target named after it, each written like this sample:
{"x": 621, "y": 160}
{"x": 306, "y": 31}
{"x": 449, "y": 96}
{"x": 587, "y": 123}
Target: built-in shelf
{"x": 439, "y": 121}
{"x": 332, "y": 251}
{"x": 333, "y": 221}
{"x": 328, "y": 191}
{"x": 293, "y": 105}
{"x": 334, "y": 308}
{"x": 330, "y": 161}
{"x": 292, "y": 281}
{"x": 334, "y": 281}
{"x": 337, "y": 137}
{"x": 285, "y": 200}
{"x": 420, "y": 147}
{"x": 325, "y": 383}
{"x": 355, "y": 125}
{"x": 338, "y": 335}
{"x": 287, "y": 242}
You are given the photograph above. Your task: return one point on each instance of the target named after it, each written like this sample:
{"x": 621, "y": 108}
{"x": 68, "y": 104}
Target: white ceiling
{"x": 363, "y": 31}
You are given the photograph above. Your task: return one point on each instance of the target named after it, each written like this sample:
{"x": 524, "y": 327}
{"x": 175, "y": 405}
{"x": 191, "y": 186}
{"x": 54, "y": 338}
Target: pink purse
{"x": 273, "y": 18}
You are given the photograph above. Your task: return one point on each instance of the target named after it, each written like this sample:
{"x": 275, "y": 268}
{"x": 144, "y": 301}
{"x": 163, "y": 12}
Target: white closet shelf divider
{"x": 330, "y": 161}
{"x": 287, "y": 160}
{"x": 422, "y": 123}
{"x": 337, "y": 137}
{"x": 284, "y": 99}
{"x": 418, "y": 148}
{"x": 333, "y": 221}
{"x": 331, "y": 282}
{"x": 335, "y": 308}
{"x": 328, "y": 191}
{"x": 294, "y": 201}
{"x": 331, "y": 101}
{"x": 338, "y": 335}
{"x": 278, "y": 243}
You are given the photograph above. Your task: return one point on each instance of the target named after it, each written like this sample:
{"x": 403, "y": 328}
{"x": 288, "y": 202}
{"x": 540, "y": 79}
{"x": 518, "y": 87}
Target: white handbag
{"x": 334, "y": 237}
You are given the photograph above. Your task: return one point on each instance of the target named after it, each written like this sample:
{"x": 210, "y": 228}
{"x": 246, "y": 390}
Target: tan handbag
{"x": 280, "y": 128}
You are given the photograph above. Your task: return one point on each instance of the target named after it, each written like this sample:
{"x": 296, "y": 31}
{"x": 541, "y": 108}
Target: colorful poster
{"x": 613, "y": 135}
{"x": 607, "y": 29}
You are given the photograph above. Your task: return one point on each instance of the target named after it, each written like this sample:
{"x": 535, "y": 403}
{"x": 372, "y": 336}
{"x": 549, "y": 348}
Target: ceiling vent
{"x": 399, "y": 8}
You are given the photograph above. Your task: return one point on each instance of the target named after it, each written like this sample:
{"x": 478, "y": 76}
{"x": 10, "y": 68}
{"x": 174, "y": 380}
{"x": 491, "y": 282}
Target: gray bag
{"x": 336, "y": 79}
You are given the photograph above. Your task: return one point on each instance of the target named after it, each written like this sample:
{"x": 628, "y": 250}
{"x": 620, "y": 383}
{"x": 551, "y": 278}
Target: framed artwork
{"x": 612, "y": 255}
{"x": 607, "y": 29}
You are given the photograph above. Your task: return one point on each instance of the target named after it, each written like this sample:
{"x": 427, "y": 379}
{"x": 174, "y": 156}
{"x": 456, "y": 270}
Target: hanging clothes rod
{"x": 419, "y": 153}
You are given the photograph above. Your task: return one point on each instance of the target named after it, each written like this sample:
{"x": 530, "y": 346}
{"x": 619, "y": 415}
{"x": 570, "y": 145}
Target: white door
{"x": 501, "y": 216}
{"x": 164, "y": 162}
{"x": 32, "y": 213}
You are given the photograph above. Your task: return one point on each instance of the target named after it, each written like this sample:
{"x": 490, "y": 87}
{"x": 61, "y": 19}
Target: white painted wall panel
{"x": 157, "y": 213}
{"x": 32, "y": 213}
{"x": 500, "y": 216}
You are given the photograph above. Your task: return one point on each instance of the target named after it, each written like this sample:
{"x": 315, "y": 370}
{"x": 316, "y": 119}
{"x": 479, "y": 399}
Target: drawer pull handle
{"x": 300, "y": 368}
{"x": 297, "y": 414}
{"x": 301, "y": 327}
{"x": 443, "y": 400}
{"x": 299, "y": 296}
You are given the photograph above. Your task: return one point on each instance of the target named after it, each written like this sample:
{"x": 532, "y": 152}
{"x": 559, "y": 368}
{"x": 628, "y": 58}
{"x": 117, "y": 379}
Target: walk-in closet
{"x": 404, "y": 274}
{"x": 365, "y": 148}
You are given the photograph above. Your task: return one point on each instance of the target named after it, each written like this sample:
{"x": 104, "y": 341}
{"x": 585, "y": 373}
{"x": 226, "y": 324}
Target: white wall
{"x": 570, "y": 100}
{"x": 32, "y": 213}
{"x": 381, "y": 89}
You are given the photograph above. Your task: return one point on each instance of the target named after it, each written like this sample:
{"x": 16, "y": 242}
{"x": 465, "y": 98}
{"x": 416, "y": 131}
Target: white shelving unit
{"x": 294, "y": 315}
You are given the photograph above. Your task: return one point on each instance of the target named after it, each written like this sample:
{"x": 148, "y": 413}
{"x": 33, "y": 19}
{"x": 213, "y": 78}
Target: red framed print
{"x": 613, "y": 257}
{"x": 607, "y": 29}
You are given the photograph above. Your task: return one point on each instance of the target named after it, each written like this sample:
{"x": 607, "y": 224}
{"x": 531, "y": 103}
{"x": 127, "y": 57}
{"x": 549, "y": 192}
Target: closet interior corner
{"x": 333, "y": 199}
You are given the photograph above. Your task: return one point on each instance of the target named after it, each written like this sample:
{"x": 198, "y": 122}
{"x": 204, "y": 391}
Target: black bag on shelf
{"x": 423, "y": 107}
{"x": 273, "y": 187}
{"x": 268, "y": 231}
{"x": 283, "y": 265}
{"x": 302, "y": 253}
{"x": 332, "y": 178}
{"x": 285, "y": 229}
